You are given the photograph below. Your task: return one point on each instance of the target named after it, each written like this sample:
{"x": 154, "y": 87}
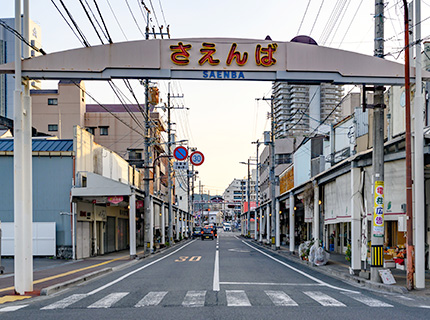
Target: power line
{"x": 134, "y": 18}
{"x": 85, "y": 41}
{"x": 107, "y": 35}
{"x": 106, "y": 109}
{"x": 116, "y": 19}
{"x": 141, "y": 10}
{"x": 153, "y": 12}
{"x": 162, "y": 12}
{"x": 20, "y": 37}
{"x": 304, "y": 15}
{"x": 340, "y": 21}
{"x": 67, "y": 22}
{"x": 318, "y": 14}
{"x": 91, "y": 21}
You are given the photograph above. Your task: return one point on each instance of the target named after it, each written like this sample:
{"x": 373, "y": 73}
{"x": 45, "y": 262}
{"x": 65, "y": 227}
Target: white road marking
{"x": 137, "y": 270}
{"x": 367, "y": 300}
{"x": 151, "y": 299}
{"x": 108, "y": 301}
{"x": 324, "y": 299}
{"x": 12, "y": 308}
{"x": 65, "y": 302}
{"x": 280, "y": 298}
{"x": 272, "y": 284}
{"x": 237, "y": 298}
{"x": 216, "y": 272}
{"x": 194, "y": 299}
{"x": 425, "y": 307}
{"x": 300, "y": 271}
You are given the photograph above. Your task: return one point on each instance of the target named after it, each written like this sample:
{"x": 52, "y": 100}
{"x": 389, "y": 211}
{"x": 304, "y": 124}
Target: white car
{"x": 227, "y": 226}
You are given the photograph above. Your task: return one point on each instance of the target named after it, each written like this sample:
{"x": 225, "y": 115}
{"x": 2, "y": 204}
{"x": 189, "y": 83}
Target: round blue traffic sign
{"x": 197, "y": 158}
{"x": 180, "y": 153}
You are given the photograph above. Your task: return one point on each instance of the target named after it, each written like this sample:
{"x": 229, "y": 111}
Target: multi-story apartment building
{"x": 299, "y": 109}
{"x": 235, "y": 195}
{"x": 7, "y": 54}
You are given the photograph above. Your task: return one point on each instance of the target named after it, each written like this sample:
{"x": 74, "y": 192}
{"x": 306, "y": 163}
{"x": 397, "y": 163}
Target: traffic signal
{"x": 154, "y": 95}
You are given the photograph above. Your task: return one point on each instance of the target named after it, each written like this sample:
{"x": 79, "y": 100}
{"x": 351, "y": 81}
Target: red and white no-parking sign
{"x": 197, "y": 158}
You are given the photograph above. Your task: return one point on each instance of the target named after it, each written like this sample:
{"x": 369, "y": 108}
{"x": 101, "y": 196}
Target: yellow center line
{"x": 68, "y": 273}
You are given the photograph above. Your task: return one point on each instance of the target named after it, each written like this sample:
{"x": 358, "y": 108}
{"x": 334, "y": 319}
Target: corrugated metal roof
{"x": 40, "y": 145}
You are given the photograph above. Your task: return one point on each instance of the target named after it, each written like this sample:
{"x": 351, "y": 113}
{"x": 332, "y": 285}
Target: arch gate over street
{"x": 191, "y": 59}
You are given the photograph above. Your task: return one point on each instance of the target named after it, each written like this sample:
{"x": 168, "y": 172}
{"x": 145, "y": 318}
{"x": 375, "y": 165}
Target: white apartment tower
{"x": 299, "y": 109}
{"x": 7, "y": 54}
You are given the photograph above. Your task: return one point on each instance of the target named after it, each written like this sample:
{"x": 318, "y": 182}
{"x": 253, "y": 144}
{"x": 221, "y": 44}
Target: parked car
{"x": 197, "y": 232}
{"x": 208, "y": 232}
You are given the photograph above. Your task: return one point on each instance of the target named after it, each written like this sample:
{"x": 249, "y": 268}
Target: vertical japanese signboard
{"x": 378, "y": 211}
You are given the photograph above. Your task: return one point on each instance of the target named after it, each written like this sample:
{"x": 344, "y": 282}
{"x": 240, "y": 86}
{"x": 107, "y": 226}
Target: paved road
{"x": 227, "y": 278}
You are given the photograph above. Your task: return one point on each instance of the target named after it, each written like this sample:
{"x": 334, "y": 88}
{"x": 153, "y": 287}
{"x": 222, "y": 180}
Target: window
{"x": 52, "y": 127}
{"x": 52, "y": 102}
{"x": 135, "y": 154}
{"x": 283, "y": 158}
{"x": 91, "y": 130}
{"x": 104, "y": 131}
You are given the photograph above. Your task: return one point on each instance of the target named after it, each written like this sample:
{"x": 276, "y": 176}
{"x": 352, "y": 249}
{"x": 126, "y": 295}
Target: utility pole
{"x": 419, "y": 158}
{"x": 148, "y": 234}
{"x": 377, "y": 250}
{"x": 272, "y": 176}
{"x": 248, "y": 196}
{"x": 257, "y": 189}
{"x": 273, "y": 211}
{"x": 409, "y": 216}
{"x": 169, "y": 166}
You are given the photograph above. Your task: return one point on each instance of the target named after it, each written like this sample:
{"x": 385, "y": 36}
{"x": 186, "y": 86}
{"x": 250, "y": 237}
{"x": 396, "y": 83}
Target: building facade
{"x": 299, "y": 109}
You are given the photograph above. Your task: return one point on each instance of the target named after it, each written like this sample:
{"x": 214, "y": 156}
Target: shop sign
{"x": 115, "y": 199}
{"x": 378, "y": 212}
{"x": 139, "y": 204}
{"x": 226, "y": 55}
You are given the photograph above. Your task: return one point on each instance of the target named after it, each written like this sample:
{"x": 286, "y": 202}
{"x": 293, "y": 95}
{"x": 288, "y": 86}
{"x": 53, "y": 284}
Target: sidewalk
{"x": 51, "y": 275}
{"x": 338, "y": 266}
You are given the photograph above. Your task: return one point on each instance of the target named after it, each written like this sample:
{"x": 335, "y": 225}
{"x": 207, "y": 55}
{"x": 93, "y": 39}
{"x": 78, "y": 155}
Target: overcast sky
{"x": 224, "y": 117}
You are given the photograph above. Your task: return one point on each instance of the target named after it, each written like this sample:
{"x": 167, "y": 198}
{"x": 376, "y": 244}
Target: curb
{"x": 341, "y": 275}
{"x": 60, "y": 286}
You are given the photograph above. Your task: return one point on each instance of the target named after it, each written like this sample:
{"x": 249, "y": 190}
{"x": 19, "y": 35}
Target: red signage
{"x": 139, "y": 204}
{"x": 115, "y": 199}
{"x": 180, "y": 153}
{"x": 197, "y": 158}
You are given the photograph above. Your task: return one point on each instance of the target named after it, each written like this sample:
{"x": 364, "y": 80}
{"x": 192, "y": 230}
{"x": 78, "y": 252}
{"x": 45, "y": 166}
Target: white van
{"x": 227, "y": 226}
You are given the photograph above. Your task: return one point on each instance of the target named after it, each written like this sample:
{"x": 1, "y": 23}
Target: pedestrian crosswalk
{"x": 229, "y": 298}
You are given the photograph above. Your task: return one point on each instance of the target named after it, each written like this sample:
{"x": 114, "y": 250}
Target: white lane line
{"x": 237, "y": 298}
{"x": 272, "y": 284}
{"x": 216, "y": 272}
{"x": 367, "y": 300}
{"x": 137, "y": 270}
{"x": 151, "y": 299}
{"x": 12, "y": 308}
{"x": 300, "y": 271}
{"x": 324, "y": 299}
{"x": 280, "y": 298}
{"x": 194, "y": 299}
{"x": 108, "y": 301}
{"x": 65, "y": 302}
{"x": 425, "y": 307}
